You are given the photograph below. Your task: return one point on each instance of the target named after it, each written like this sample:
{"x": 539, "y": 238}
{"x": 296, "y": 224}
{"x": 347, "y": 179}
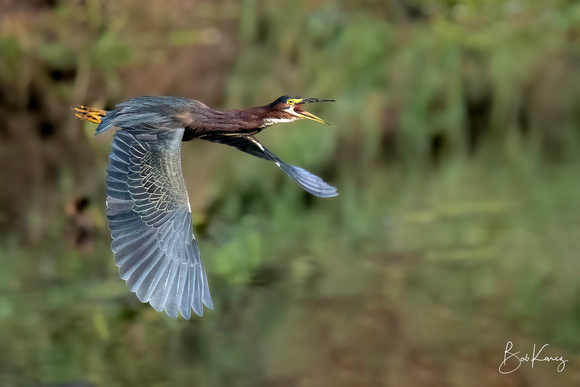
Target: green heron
{"x": 147, "y": 203}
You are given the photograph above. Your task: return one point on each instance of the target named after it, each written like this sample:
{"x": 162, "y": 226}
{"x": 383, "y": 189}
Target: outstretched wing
{"x": 150, "y": 220}
{"x": 249, "y": 144}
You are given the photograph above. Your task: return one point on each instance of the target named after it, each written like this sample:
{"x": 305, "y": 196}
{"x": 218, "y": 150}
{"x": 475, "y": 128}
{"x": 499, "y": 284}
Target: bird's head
{"x": 288, "y": 108}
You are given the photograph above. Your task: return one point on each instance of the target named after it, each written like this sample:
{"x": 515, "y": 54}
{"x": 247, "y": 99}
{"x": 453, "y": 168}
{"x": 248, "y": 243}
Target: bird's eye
{"x": 290, "y": 102}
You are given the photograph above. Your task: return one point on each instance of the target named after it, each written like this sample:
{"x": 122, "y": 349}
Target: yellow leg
{"x": 89, "y": 113}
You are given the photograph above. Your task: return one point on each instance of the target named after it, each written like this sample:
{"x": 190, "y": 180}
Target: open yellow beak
{"x": 310, "y": 116}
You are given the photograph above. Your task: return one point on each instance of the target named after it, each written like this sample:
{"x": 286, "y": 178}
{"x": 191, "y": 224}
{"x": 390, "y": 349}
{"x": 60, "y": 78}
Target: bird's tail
{"x": 89, "y": 113}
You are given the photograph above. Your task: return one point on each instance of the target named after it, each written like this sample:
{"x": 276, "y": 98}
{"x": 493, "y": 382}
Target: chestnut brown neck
{"x": 209, "y": 121}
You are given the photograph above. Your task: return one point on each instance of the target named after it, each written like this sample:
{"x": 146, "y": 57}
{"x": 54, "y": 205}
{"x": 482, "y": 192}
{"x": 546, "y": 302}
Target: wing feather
{"x": 150, "y": 221}
{"x": 249, "y": 144}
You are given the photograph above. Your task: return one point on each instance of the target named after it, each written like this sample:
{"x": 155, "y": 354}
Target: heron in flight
{"x": 147, "y": 202}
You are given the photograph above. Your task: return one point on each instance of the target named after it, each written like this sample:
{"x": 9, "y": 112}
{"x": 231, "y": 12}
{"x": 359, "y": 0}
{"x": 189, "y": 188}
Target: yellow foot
{"x": 89, "y": 113}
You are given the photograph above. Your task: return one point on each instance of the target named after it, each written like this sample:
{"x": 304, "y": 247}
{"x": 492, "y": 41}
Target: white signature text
{"x": 516, "y": 360}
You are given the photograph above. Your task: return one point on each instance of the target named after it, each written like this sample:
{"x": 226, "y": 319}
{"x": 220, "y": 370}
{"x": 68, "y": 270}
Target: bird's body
{"x": 147, "y": 202}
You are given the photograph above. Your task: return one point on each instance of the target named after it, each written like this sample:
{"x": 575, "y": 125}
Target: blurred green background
{"x": 456, "y": 151}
